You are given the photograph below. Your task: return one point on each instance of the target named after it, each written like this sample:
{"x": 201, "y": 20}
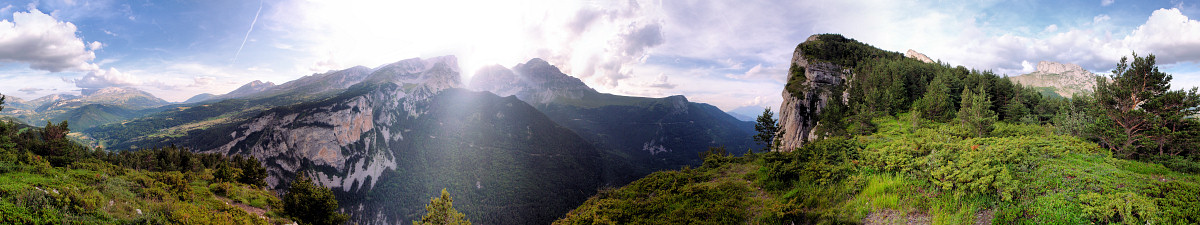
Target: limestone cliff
{"x": 331, "y": 136}
{"x": 817, "y": 83}
{"x": 917, "y": 55}
{"x": 1063, "y": 78}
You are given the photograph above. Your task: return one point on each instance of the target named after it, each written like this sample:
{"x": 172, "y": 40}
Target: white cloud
{"x": 1106, "y": 2}
{"x": 1171, "y": 36}
{"x": 106, "y": 78}
{"x": 203, "y": 81}
{"x": 1051, "y": 29}
{"x": 661, "y": 82}
{"x": 1100, "y": 18}
{"x": 30, "y": 90}
{"x": 44, "y": 43}
{"x": 760, "y": 72}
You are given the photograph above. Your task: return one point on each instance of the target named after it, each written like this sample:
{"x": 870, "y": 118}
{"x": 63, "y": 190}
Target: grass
{"x": 918, "y": 172}
{"x": 80, "y": 194}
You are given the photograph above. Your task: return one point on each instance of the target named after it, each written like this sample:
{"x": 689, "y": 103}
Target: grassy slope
{"x": 930, "y": 174}
{"x": 95, "y": 192}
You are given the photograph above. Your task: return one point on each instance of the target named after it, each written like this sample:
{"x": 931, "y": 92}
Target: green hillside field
{"x": 910, "y": 171}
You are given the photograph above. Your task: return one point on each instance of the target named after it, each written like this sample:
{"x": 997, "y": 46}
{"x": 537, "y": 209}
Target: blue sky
{"x": 728, "y": 53}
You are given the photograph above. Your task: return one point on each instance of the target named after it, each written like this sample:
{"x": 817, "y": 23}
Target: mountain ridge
{"x": 1064, "y": 79}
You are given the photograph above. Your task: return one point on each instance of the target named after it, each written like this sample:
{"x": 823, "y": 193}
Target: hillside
{"x": 649, "y": 134}
{"x": 930, "y": 174}
{"x": 868, "y": 136}
{"x": 46, "y": 179}
{"x": 95, "y": 107}
{"x": 403, "y": 131}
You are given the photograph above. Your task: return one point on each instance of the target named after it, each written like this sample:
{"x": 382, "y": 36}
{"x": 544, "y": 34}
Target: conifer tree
{"x": 767, "y": 128}
{"x": 440, "y": 211}
{"x": 936, "y": 103}
{"x": 1140, "y": 112}
{"x": 310, "y": 203}
{"x": 974, "y": 113}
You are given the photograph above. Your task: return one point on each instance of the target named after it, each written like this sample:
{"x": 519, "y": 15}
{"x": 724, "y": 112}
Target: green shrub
{"x": 823, "y": 162}
{"x": 1180, "y": 202}
{"x": 1123, "y": 207}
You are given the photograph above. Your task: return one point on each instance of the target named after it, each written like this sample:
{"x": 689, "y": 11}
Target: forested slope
{"x": 920, "y": 143}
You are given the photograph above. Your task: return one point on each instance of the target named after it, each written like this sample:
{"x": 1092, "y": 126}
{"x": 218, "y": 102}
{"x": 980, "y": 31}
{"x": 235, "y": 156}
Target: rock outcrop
{"x": 917, "y": 55}
{"x": 798, "y": 113}
{"x": 324, "y": 136}
{"x": 535, "y": 82}
{"x": 1066, "y": 79}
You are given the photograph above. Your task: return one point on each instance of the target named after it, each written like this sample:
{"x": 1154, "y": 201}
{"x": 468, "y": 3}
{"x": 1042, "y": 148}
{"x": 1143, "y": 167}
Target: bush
{"x": 1126, "y": 207}
{"x": 823, "y": 162}
{"x": 310, "y": 203}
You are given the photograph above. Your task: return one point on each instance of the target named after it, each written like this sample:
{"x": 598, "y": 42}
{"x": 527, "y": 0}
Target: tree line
{"x": 1133, "y": 112}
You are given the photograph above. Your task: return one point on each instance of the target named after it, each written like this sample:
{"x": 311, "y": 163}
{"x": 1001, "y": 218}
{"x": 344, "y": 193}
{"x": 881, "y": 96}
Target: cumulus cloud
{"x": 603, "y": 42}
{"x": 1051, "y": 29}
{"x": 1170, "y": 35}
{"x": 1106, "y": 2}
{"x": 661, "y": 82}
{"x": 44, "y": 43}
{"x": 106, "y": 78}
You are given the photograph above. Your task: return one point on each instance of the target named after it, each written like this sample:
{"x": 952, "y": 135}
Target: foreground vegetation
{"x": 47, "y": 179}
{"x": 911, "y": 171}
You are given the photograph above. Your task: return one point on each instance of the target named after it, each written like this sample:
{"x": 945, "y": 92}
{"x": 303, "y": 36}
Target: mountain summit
{"x": 535, "y": 81}
{"x": 650, "y": 133}
{"x": 1064, "y": 79}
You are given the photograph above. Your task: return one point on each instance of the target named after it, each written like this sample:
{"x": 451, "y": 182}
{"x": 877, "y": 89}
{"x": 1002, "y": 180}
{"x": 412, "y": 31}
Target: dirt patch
{"x": 984, "y": 217}
{"x": 891, "y": 216}
{"x": 249, "y": 209}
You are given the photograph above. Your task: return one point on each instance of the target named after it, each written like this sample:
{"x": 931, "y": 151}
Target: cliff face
{"x": 1064, "y": 79}
{"x": 409, "y": 130}
{"x": 333, "y": 136}
{"x": 918, "y": 56}
{"x": 798, "y": 113}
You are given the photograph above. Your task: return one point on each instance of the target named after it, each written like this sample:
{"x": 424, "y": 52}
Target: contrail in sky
{"x": 252, "y": 22}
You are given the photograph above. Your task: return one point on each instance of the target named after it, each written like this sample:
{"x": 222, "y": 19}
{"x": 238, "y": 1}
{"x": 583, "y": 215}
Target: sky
{"x": 732, "y": 54}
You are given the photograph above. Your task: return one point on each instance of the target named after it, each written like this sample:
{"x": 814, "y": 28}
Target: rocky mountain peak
{"x": 1065, "y": 79}
{"x": 797, "y": 113}
{"x": 535, "y": 81}
{"x": 417, "y": 65}
{"x": 917, "y": 55}
{"x": 88, "y": 92}
{"x": 1059, "y": 68}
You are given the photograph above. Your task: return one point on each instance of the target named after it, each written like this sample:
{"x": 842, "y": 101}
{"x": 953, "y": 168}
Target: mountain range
{"x": 516, "y": 146}
{"x": 94, "y": 107}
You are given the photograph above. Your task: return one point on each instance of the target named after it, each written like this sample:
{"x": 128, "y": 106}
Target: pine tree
{"x": 974, "y": 113}
{"x": 310, "y": 203}
{"x": 936, "y": 104}
{"x": 767, "y": 128}
{"x": 1140, "y": 113}
{"x": 440, "y": 211}
{"x": 1015, "y": 110}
